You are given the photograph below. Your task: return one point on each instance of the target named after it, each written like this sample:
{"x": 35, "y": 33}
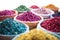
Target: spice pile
{"x": 22, "y": 8}
{"x": 37, "y": 35}
{"x": 42, "y": 11}
{"x": 6, "y": 12}
{"x": 11, "y": 27}
{"x": 52, "y": 24}
{"x": 52, "y": 7}
{"x": 28, "y": 16}
{"x": 56, "y": 15}
{"x": 34, "y": 7}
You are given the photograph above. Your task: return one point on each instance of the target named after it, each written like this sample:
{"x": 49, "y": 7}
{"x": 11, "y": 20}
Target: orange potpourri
{"x": 52, "y": 7}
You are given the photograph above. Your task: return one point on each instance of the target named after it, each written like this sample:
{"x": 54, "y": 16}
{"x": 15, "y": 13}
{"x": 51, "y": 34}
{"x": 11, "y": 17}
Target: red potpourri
{"x": 52, "y": 24}
{"x": 34, "y": 7}
{"x": 28, "y": 16}
{"x": 6, "y": 12}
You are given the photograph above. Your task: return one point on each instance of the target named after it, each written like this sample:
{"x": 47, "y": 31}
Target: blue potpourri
{"x": 11, "y": 27}
{"x": 56, "y": 14}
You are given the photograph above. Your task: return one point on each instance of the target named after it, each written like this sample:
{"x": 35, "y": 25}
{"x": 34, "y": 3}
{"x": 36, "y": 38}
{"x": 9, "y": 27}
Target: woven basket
{"x": 8, "y": 16}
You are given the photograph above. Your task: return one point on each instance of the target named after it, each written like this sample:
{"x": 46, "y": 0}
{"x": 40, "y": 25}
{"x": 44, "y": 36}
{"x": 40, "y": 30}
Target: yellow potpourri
{"x": 37, "y": 35}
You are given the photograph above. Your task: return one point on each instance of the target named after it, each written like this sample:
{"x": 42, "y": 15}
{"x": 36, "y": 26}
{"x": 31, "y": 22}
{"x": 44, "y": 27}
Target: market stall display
{"x": 20, "y": 23}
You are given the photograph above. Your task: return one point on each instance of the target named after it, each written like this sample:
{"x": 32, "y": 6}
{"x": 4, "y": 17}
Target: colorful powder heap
{"x": 11, "y": 27}
{"x": 28, "y": 16}
{"x": 42, "y": 11}
{"x": 52, "y": 7}
{"x": 37, "y": 35}
{"x": 34, "y": 7}
{"x": 6, "y": 12}
{"x": 52, "y": 24}
{"x": 22, "y": 8}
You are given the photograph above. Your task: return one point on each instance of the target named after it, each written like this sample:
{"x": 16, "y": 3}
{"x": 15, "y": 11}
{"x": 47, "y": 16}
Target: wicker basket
{"x": 9, "y": 37}
{"x": 31, "y": 24}
{"x": 8, "y": 16}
